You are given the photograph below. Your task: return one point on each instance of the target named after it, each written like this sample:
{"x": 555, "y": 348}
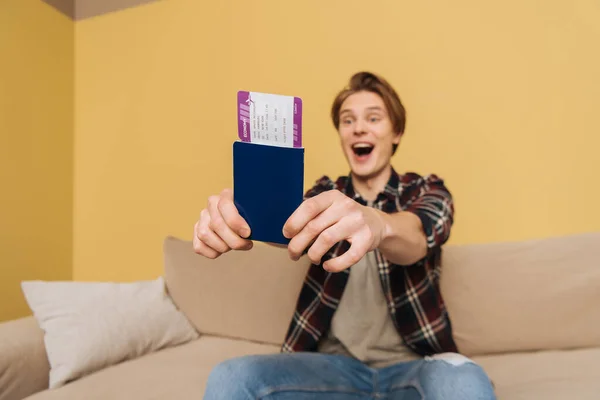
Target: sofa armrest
{"x": 24, "y": 367}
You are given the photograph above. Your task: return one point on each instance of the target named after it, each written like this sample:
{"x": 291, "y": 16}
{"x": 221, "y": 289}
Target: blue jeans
{"x": 322, "y": 376}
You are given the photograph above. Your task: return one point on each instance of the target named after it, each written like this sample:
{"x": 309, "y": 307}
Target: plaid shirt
{"x": 412, "y": 292}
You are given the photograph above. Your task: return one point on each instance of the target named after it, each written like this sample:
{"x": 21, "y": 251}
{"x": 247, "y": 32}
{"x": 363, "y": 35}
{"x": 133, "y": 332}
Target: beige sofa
{"x": 528, "y": 312}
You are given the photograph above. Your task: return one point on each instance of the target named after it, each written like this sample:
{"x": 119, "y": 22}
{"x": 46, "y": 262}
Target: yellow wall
{"x": 501, "y": 100}
{"x": 36, "y": 143}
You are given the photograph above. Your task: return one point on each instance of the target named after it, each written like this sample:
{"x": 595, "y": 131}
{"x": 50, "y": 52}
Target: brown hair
{"x": 367, "y": 81}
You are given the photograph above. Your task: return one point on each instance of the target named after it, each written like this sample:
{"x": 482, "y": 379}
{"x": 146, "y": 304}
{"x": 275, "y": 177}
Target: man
{"x": 370, "y": 321}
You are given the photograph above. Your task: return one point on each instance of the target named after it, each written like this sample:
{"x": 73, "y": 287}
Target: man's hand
{"x": 329, "y": 218}
{"x": 220, "y": 227}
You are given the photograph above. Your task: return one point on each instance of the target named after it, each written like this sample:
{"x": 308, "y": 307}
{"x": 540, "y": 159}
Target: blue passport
{"x": 268, "y": 186}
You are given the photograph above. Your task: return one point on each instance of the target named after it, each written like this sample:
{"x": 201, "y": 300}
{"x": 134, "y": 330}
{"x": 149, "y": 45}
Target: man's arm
{"x": 408, "y": 235}
{"x": 403, "y": 241}
{"x": 404, "y": 237}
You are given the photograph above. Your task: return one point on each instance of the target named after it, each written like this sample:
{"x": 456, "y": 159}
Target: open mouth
{"x": 362, "y": 149}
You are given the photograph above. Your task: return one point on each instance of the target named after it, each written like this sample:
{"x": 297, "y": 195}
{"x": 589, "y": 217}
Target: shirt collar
{"x": 389, "y": 193}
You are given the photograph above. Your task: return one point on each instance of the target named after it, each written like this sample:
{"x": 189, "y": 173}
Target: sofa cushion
{"x": 175, "y": 373}
{"x": 548, "y": 375}
{"x": 181, "y": 373}
{"x": 524, "y": 296}
{"x": 91, "y": 325}
{"x": 242, "y": 294}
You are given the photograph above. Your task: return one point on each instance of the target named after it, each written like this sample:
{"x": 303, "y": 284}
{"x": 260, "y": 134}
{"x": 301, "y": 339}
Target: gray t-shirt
{"x": 362, "y": 326}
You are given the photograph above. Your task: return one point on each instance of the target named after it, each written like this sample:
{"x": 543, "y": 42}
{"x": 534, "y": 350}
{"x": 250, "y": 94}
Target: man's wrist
{"x": 401, "y": 240}
{"x": 385, "y": 229}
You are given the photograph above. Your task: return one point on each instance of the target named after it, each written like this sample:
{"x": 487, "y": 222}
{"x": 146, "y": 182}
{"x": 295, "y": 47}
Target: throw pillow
{"x": 92, "y": 325}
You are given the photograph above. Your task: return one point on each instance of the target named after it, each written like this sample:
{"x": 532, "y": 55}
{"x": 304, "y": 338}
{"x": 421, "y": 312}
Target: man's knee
{"x": 453, "y": 376}
{"x": 235, "y": 378}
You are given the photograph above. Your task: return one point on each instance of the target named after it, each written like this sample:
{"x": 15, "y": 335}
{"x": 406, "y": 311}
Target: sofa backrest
{"x": 242, "y": 294}
{"x": 524, "y": 296}
{"x": 502, "y": 297}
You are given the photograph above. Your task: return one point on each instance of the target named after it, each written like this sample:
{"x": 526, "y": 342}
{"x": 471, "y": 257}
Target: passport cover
{"x": 268, "y": 186}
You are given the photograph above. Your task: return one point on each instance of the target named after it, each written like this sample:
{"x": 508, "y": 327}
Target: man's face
{"x": 366, "y": 134}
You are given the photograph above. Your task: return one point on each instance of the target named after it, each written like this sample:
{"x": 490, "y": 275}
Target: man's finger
{"x": 307, "y": 211}
{"x": 358, "y": 248}
{"x": 330, "y": 237}
{"x": 203, "y": 249}
{"x": 210, "y": 238}
{"x": 231, "y": 216}
{"x": 311, "y": 231}
{"x": 218, "y": 225}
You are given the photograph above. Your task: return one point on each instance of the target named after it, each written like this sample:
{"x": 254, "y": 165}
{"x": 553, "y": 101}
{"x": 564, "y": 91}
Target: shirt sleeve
{"x": 322, "y": 185}
{"x": 435, "y": 208}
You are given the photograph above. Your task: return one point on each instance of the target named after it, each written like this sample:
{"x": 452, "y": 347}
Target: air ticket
{"x": 269, "y": 119}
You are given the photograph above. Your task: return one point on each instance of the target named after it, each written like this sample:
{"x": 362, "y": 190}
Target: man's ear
{"x": 397, "y": 138}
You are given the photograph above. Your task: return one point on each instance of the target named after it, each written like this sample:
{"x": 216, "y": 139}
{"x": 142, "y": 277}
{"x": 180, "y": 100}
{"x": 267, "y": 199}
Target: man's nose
{"x": 360, "y": 127}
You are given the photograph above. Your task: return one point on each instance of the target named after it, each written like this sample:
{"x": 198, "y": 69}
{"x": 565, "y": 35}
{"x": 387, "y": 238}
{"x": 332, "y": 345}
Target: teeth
{"x": 361, "y": 145}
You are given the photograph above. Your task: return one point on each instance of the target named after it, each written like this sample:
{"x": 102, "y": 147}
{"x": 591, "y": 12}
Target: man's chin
{"x": 364, "y": 173}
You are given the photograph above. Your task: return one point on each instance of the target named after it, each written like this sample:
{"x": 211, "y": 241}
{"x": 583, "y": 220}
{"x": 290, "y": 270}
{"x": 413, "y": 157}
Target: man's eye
{"x": 346, "y": 121}
{"x": 374, "y": 119}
